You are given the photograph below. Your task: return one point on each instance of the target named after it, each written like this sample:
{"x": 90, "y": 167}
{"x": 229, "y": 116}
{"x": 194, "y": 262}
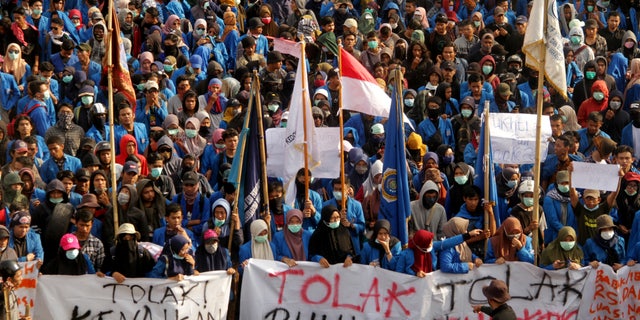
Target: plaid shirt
{"x": 95, "y": 250}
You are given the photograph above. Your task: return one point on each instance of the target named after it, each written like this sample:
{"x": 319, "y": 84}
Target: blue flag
{"x": 484, "y": 163}
{"x": 395, "y": 201}
{"x": 246, "y": 163}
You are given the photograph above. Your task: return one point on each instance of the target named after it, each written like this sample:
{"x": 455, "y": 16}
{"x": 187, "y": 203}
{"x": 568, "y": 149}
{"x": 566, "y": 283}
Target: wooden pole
{"x": 305, "y": 146}
{"x": 486, "y": 164}
{"x": 263, "y": 154}
{"x": 341, "y": 121}
{"x": 112, "y": 141}
{"x": 241, "y": 147}
{"x": 536, "y": 165}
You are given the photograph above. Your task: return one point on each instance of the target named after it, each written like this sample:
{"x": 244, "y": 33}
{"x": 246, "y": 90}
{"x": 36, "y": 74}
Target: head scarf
{"x": 501, "y": 243}
{"x": 195, "y": 26}
{"x": 17, "y": 67}
{"x": 454, "y": 227}
{"x": 572, "y": 119}
{"x": 230, "y": 23}
{"x": 195, "y": 145}
{"x": 332, "y": 244}
{"x": 146, "y": 56}
{"x": 294, "y": 240}
{"x": 422, "y": 260}
{"x": 386, "y": 225}
{"x": 368, "y": 186}
{"x": 501, "y": 181}
{"x": 423, "y": 17}
{"x": 224, "y": 229}
{"x": 260, "y": 250}
{"x": 554, "y": 251}
{"x": 176, "y": 266}
{"x": 167, "y": 28}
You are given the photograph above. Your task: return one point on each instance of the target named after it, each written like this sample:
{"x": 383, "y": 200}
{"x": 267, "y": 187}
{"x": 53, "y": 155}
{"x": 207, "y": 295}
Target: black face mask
{"x": 204, "y": 131}
{"x": 275, "y": 205}
{"x": 187, "y": 169}
{"x": 429, "y": 202}
{"x": 433, "y": 113}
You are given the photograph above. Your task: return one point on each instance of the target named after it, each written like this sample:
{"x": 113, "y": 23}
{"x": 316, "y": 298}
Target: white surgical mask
{"x": 123, "y": 198}
{"x": 607, "y": 235}
{"x": 211, "y": 248}
{"x": 72, "y": 254}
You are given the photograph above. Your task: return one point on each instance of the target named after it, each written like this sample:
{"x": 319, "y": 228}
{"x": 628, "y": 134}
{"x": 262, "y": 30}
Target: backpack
{"x": 10, "y": 127}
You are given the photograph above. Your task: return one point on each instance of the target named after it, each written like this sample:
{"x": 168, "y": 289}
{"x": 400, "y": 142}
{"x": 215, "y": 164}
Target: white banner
{"x": 513, "y": 137}
{"x": 271, "y": 290}
{"x": 612, "y": 295}
{"x": 26, "y": 292}
{"x": 328, "y": 144}
{"x": 596, "y": 176}
{"x": 89, "y": 297}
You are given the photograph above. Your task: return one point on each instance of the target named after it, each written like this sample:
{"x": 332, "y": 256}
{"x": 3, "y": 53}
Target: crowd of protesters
{"x": 191, "y": 65}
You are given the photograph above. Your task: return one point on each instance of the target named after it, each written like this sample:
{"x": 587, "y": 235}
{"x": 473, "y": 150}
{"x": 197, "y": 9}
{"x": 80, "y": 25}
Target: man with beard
{"x": 128, "y": 259}
{"x": 65, "y": 127}
{"x": 152, "y": 202}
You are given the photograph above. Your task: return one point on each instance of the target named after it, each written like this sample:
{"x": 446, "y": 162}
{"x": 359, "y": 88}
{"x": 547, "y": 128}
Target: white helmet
{"x": 526, "y": 186}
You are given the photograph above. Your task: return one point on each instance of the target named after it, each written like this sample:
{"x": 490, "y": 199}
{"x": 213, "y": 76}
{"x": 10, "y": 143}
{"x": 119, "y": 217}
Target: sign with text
{"x": 596, "y": 176}
{"x": 613, "y": 295}
{"x": 26, "y": 292}
{"x": 513, "y": 137}
{"x": 271, "y": 290}
{"x": 205, "y": 296}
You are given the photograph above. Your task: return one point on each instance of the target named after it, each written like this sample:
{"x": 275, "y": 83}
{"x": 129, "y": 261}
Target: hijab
{"x": 260, "y": 250}
{"x": 167, "y": 28}
{"x": 332, "y": 244}
{"x": 195, "y": 145}
{"x": 501, "y": 181}
{"x": 294, "y": 240}
{"x": 225, "y": 230}
{"x": 501, "y": 243}
{"x": 422, "y": 260}
{"x": 229, "y": 24}
{"x": 554, "y": 251}
{"x": 17, "y": 67}
{"x": 454, "y": 227}
{"x": 195, "y": 27}
{"x": 176, "y": 266}
{"x": 572, "y": 119}
{"x": 368, "y": 186}
{"x": 146, "y": 56}
{"x": 386, "y": 225}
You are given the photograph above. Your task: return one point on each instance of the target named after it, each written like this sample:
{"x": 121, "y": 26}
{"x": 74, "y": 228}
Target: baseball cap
{"x": 196, "y": 61}
{"x": 151, "y": 85}
{"x": 447, "y": 65}
{"x": 69, "y": 241}
{"x": 254, "y": 22}
{"x": 521, "y": 20}
{"x": 591, "y": 193}
{"x": 20, "y": 146}
{"x": 351, "y": 23}
{"x": 190, "y": 178}
{"x": 130, "y": 166}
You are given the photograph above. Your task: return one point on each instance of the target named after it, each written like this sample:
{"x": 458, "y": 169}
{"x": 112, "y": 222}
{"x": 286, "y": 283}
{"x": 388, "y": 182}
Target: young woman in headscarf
{"x": 569, "y": 118}
{"x": 507, "y": 185}
{"x": 230, "y": 37}
{"x": 210, "y": 256}
{"x": 259, "y": 247}
{"x": 292, "y": 243}
{"x": 422, "y": 255}
{"x": 176, "y": 260}
{"x": 16, "y": 66}
{"x": 192, "y": 144}
{"x": 509, "y": 244}
{"x": 220, "y": 222}
{"x": 69, "y": 260}
{"x": 462, "y": 177}
{"x": 459, "y": 259}
{"x": 562, "y": 252}
{"x": 198, "y": 36}
{"x": 382, "y": 248}
{"x": 371, "y": 191}
{"x": 146, "y": 60}
{"x": 331, "y": 242}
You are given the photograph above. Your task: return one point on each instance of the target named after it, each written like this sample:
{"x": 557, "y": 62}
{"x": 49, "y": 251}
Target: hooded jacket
{"x": 122, "y": 157}
{"x": 431, "y": 219}
{"x": 173, "y": 165}
{"x": 592, "y": 104}
{"x": 155, "y": 213}
{"x": 582, "y": 89}
{"x": 620, "y": 118}
{"x": 633, "y": 52}
{"x": 131, "y": 214}
{"x": 608, "y": 79}
{"x": 581, "y": 52}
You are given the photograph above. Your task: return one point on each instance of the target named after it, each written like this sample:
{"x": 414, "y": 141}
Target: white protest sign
{"x": 26, "y": 292}
{"x": 513, "y": 137}
{"x": 595, "y": 176}
{"x": 612, "y": 295}
{"x": 272, "y": 290}
{"x": 89, "y": 297}
{"x": 329, "y": 151}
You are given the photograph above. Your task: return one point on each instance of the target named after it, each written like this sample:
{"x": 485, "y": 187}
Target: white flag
{"x": 544, "y": 43}
{"x": 300, "y": 115}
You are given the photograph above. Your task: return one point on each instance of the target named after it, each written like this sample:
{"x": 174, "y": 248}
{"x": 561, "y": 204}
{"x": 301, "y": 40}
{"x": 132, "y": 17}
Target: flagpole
{"x": 305, "y": 146}
{"x": 536, "y": 165}
{"x": 487, "y": 171}
{"x": 400, "y": 114}
{"x": 240, "y": 149}
{"x": 341, "y": 121}
{"x": 112, "y": 141}
{"x": 263, "y": 157}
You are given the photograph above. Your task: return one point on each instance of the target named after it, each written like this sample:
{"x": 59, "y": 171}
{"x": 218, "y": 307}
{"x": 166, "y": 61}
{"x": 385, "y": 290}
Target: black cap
{"x": 447, "y": 65}
{"x": 255, "y": 22}
{"x": 274, "y": 56}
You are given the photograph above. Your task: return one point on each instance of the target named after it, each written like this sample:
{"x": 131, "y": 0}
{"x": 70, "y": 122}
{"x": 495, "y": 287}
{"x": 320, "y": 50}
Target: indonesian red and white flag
{"x": 360, "y": 91}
